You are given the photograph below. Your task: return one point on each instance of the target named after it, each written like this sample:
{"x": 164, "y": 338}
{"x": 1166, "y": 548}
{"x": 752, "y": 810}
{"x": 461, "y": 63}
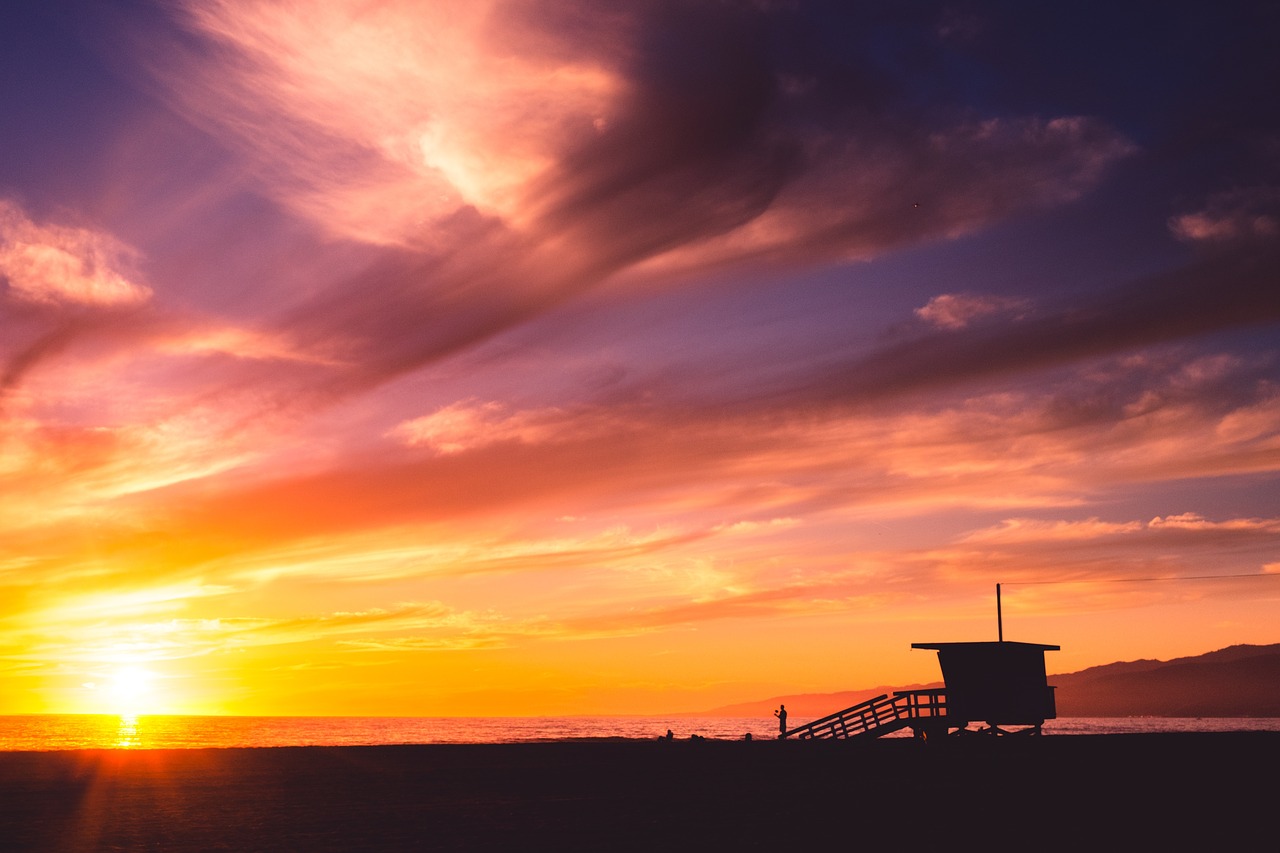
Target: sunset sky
{"x": 489, "y": 357}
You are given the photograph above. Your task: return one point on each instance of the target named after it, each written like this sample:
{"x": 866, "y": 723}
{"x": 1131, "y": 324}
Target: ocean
{"x": 43, "y": 732}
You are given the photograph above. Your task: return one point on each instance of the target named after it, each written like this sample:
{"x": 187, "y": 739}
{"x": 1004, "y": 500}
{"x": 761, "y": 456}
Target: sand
{"x": 1067, "y": 792}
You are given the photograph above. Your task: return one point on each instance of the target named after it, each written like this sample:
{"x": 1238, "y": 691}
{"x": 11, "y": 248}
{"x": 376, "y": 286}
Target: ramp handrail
{"x": 877, "y": 716}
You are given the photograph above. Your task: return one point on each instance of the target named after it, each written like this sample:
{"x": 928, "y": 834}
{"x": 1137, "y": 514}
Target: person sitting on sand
{"x": 781, "y": 714}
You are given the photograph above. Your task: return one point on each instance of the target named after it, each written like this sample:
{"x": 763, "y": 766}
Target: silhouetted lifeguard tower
{"x": 1000, "y": 684}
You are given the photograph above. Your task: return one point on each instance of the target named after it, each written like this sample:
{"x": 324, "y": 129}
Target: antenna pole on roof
{"x": 999, "y": 616}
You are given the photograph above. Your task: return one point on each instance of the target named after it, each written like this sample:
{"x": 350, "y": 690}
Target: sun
{"x": 131, "y": 690}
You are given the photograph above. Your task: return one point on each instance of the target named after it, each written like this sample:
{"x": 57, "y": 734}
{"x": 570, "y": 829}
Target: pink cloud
{"x": 524, "y": 159}
{"x": 469, "y": 424}
{"x": 957, "y": 310}
{"x": 55, "y": 264}
{"x": 1230, "y": 217}
{"x": 381, "y": 123}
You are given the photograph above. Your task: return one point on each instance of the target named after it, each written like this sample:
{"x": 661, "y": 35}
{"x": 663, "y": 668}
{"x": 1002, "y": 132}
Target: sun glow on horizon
{"x": 127, "y": 690}
{"x": 132, "y": 690}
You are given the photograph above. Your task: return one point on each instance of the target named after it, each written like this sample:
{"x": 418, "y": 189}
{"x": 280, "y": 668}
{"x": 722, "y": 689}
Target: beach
{"x": 1052, "y": 792}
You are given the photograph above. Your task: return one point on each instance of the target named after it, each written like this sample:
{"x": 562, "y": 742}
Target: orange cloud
{"x": 468, "y": 424}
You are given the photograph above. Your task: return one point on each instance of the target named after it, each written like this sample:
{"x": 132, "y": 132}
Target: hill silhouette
{"x": 1237, "y": 681}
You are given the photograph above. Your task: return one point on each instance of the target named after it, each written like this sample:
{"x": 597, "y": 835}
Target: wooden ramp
{"x": 925, "y": 711}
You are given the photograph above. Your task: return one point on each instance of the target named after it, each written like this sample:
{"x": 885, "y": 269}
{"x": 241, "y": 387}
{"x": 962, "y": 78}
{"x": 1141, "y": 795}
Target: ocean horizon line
{"x": 53, "y": 732}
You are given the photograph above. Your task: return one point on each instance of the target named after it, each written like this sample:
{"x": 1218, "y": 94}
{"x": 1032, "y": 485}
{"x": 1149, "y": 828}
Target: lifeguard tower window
{"x": 1000, "y": 683}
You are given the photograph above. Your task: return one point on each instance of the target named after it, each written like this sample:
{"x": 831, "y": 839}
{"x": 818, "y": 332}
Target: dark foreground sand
{"x": 1105, "y": 792}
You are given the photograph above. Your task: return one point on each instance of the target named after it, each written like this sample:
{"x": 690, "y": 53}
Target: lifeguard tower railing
{"x": 922, "y": 710}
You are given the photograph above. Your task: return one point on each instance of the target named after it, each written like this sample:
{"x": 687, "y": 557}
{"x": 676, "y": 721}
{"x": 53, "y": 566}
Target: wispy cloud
{"x": 957, "y": 310}
{"x": 533, "y": 157}
{"x": 468, "y": 424}
{"x": 57, "y": 264}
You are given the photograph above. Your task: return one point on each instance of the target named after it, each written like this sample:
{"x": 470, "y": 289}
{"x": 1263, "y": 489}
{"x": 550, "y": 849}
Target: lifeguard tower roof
{"x": 1000, "y": 683}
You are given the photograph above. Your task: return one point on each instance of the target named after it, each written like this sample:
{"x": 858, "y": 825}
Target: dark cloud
{"x": 743, "y": 136}
{"x": 1222, "y": 292}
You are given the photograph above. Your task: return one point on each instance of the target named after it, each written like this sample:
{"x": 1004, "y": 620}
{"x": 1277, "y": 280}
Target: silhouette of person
{"x": 781, "y": 714}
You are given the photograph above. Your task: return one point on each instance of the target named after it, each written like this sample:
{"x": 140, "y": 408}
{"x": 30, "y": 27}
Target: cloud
{"x": 57, "y": 473}
{"x": 1089, "y": 567}
{"x": 239, "y": 342}
{"x": 879, "y": 188}
{"x": 86, "y": 638}
{"x": 383, "y": 123}
{"x": 796, "y": 600}
{"x": 472, "y": 424}
{"x": 538, "y": 152}
{"x": 61, "y": 286}
{"x": 958, "y": 310}
{"x": 60, "y": 265}
{"x": 468, "y": 424}
{"x": 1211, "y": 294}
{"x": 1026, "y": 530}
{"x": 1252, "y": 214}
{"x": 1196, "y": 521}
{"x": 679, "y": 478}
{"x": 64, "y": 289}
{"x": 1093, "y": 553}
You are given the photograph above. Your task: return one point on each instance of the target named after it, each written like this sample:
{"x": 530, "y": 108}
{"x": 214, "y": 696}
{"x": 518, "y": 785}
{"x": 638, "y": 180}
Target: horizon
{"x": 764, "y": 712}
{"x": 532, "y": 359}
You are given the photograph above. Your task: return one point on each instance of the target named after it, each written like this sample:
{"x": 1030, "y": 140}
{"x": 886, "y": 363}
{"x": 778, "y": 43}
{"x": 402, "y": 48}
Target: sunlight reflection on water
{"x": 127, "y": 736}
{"x": 98, "y": 731}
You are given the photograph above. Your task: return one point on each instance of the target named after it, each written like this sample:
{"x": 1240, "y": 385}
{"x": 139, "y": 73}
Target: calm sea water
{"x": 95, "y": 731}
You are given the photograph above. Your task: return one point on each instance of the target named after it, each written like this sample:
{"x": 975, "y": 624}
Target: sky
{"x": 509, "y": 357}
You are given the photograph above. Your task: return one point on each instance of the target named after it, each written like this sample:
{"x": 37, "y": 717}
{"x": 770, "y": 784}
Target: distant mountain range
{"x": 1238, "y": 681}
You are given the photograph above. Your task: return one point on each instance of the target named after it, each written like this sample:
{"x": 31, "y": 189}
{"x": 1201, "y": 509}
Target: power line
{"x": 1145, "y": 580}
